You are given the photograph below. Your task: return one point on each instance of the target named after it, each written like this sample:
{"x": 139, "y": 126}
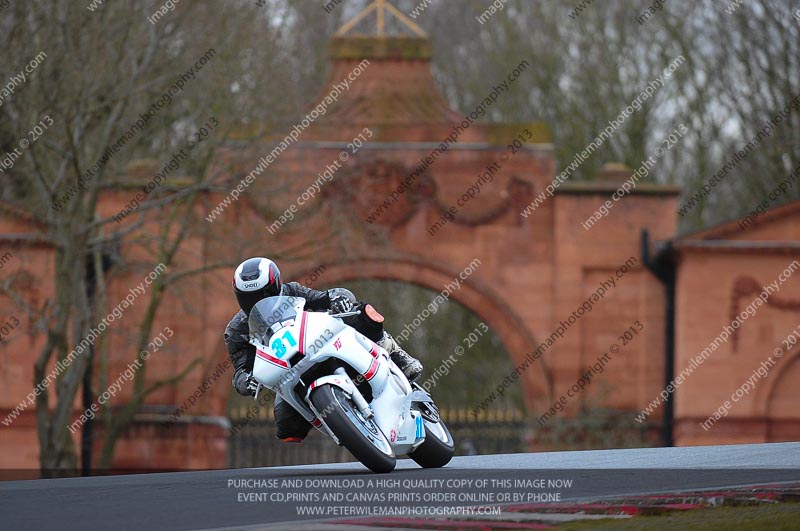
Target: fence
{"x": 497, "y": 431}
{"x": 254, "y": 445}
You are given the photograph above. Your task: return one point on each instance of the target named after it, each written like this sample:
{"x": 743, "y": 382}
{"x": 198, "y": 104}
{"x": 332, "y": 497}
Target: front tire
{"x": 360, "y": 436}
{"x": 438, "y": 448}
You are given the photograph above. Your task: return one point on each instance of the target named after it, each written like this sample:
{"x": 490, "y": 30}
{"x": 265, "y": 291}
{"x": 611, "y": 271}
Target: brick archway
{"x": 473, "y": 295}
{"x": 777, "y": 402}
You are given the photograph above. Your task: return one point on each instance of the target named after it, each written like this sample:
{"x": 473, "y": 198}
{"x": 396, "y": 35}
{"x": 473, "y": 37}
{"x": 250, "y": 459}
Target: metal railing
{"x": 254, "y": 444}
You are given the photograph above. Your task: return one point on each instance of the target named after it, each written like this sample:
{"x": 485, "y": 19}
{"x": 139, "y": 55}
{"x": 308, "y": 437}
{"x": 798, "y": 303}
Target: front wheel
{"x": 438, "y": 447}
{"x": 360, "y": 436}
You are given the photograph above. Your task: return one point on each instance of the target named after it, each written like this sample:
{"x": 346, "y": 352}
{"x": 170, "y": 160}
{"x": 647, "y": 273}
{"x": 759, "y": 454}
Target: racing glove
{"x": 340, "y": 304}
{"x": 242, "y": 382}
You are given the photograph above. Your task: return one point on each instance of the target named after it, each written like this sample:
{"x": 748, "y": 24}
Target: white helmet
{"x": 255, "y": 279}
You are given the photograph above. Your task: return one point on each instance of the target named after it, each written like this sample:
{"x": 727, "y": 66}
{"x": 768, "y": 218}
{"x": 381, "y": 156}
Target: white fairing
{"x": 315, "y": 337}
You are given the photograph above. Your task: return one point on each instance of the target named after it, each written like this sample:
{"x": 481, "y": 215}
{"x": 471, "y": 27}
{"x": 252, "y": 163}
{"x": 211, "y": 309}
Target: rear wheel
{"x": 438, "y": 447}
{"x": 359, "y": 435}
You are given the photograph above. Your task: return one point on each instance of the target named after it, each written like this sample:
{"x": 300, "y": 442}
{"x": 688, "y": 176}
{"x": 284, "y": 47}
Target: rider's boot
{"x": 410, "y": 365}
{"x": 290, "y": 426}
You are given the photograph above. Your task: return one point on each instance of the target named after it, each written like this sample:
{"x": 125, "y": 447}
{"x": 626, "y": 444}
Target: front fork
{"x": 353, "y": 392}
{"x": 341, "y": 380}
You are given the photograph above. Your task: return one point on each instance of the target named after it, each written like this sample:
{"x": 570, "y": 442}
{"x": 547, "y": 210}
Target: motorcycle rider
{"x": 258, "y": 278}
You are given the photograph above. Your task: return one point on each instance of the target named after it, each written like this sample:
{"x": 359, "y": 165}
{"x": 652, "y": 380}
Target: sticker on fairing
{"x": 420, "y": 427}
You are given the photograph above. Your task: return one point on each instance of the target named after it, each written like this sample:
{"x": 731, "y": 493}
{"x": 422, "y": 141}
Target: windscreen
{"x": 269, "y": 311}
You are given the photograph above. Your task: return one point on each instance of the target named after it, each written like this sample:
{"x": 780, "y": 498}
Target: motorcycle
{"x": 345, "y": 385}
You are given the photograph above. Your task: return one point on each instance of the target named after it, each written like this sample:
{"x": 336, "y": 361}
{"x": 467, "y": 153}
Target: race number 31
{"x": 279, "y": 348}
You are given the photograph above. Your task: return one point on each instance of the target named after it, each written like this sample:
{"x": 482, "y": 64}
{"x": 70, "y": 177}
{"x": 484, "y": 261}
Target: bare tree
{"x": 104, "y": 87}
{"x": 740, "y": 69}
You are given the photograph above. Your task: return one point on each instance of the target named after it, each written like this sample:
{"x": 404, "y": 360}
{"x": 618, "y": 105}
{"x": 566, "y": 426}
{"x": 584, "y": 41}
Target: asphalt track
{"x": 206, "y": 500}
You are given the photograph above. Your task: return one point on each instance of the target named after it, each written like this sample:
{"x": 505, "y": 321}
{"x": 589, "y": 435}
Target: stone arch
{"x": 778, "y": 401}
{"x": 473, "y": 295}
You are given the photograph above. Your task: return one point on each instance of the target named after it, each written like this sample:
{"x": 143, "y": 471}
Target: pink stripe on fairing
{"x": 271, "y": 359}
{"x": 373, "y": 369}
{"x": 302, "y": 343}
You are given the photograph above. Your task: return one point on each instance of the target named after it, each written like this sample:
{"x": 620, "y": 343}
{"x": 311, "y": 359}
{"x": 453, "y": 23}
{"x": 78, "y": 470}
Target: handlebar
{"x": 346, "y": 314}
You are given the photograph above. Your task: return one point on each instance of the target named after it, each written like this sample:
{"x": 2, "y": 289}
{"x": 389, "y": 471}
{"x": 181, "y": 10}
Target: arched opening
{"x": 463, "y": 359}
{"x": 476, "y": 296}
{"x": 783, "y": 420}
{"x": 462, "y": 356}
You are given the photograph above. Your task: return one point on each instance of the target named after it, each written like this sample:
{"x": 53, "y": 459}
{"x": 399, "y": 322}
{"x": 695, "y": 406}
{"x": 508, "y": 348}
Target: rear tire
{"x": 438, "y": 448}
{"x": 341, "y": 416}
